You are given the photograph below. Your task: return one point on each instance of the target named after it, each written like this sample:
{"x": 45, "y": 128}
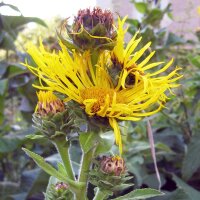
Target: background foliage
{"x": 176, "y": 129}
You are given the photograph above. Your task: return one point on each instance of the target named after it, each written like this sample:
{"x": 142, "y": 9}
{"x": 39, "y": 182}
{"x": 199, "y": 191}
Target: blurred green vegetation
{"x": 176, "y": 129}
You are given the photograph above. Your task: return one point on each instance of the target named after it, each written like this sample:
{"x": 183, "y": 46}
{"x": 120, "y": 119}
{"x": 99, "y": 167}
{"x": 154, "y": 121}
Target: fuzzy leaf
{"x": 140, "y": 194}
{"x": 191, "y": 192}
{"x": 44, "y": 165}
{"x": 106, "y": 141}
{"x": 122, "y": 186}
{"x": 88, "y": 141}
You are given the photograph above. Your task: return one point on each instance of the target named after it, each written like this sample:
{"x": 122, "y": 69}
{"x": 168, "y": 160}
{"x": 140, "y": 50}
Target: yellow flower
{"x": 131, "y": 68}
{"x": 93, "y": 87}
{"x": 48, "y": 103}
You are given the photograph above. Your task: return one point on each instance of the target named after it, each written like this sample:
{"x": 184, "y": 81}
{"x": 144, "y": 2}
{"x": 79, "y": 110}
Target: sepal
{"x": 56, "y": 125}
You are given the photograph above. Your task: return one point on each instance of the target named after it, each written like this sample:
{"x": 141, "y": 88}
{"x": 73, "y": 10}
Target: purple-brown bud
{"x": 91, "y": 18}
{"x": 113, "y": 165}
{"x": 61, "y": 186}
{"x": 92, "y": 29}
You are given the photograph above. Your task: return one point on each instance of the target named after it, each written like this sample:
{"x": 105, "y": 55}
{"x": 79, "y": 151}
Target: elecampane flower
{"x": 93, "y": 87}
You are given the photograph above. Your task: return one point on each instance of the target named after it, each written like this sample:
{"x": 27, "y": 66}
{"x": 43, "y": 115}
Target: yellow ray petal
{"x": 118, "y": 139}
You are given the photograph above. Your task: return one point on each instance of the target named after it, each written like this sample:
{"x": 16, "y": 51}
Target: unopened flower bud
{"x": 93, "y": 29}
{"x": 52, "y": 118}
{"x": 60, "y": 186}
{"x": 48, "y": 104}
{"x": 109, "y": 174}
{"x": 113, "y": 165}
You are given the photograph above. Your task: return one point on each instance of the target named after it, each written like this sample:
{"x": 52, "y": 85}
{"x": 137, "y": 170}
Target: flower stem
{"x": 63, "y": 150}
{"x": 100, "y": 195}
{"x": 84, "y": 170}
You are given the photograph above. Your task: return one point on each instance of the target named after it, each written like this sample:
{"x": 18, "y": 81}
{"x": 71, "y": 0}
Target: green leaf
{"x": 88, "y": 140}
{"x": 3, "y": 86}
{"x": 44, "y": 165}
{"x": 33, "y": 181}
{"x": 2, "y": 100}
{"x": 74, "y": 186}
{"x": 191, "y": 161}
{"x": 141, "y": 7}
{"x": 179, "y": 194}
{"x": 9, "y": 144}
{"x": 154, "y": 17}
{"x": 170, "y": 15}
{"x": 61, "y": 169}
{"x": 11, "y": 6}
{"x": 16, "y": 69}
{"x": 194, "y": 60}
{"x": 34, "y": 136}
{"x": 14, "y": 22}
{"x": 174, "y": 39}
{"x": 191, "y": 192}
{"x": 164, "y": 147}
{"x": 106, "y": 141}
{"x": 133, "y": 22}
{"x": 7, "y": 42}
{"x": 141, "y": 194}
{"x": 3, "y": 67}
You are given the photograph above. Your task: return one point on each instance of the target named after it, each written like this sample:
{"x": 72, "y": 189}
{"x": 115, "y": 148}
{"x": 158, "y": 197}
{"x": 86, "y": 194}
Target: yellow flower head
{"x": 48, "y": 103}
{"x": 133, "y": 94}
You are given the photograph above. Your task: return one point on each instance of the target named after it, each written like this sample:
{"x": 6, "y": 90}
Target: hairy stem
{"x": 83, "y": 176}
{"x": 63, "y": 150}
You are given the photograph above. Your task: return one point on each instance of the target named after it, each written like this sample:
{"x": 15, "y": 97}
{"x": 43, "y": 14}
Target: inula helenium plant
{"x": 102, "y": 81}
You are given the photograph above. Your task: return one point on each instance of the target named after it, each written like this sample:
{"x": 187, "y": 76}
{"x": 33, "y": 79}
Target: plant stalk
{"x": 63, "y": 150}
{"x": 83, "y": 175}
